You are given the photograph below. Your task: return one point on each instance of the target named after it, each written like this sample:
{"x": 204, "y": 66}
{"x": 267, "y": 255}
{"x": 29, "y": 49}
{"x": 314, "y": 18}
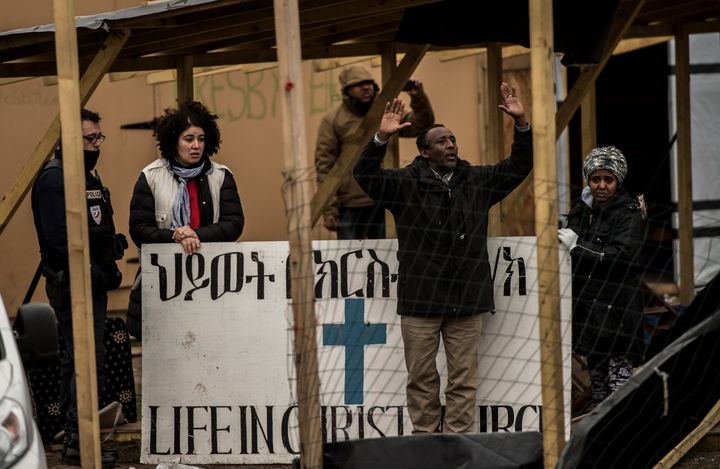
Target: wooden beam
{"x": 210, "y": 59}
{"x": 89, "y": 81}
{"x": 711, "y": 420}
{"x": 686, "y": 249}
{"x": 626, "y": 12}
{"x": 297, "y": 189}
{"x": 563, "y": 148}
{"x": 494, "y": 147}
{"x": 669, "y": 29}
{"x": 343, "y": 167}
{"x": 392, "y": 155}
{"x": 588, "y": 123}
{"x": 507, "y": 52}
{"x": 78, "y": 244}
{"x": 546, "y": 220}
{"x": 630, "y": 45}
{"x": 184, "y": 81}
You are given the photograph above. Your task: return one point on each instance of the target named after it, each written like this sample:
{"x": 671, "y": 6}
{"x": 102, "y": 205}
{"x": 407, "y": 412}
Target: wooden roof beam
{"x": 626, "y": 12}
{"x": 313, "y": 12}
{"x": 668, "y": 29}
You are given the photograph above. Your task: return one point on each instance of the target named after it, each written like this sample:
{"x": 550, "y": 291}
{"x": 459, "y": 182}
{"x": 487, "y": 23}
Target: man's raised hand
{"x": 390, "y": 123}
{"x": 511, "y": 104}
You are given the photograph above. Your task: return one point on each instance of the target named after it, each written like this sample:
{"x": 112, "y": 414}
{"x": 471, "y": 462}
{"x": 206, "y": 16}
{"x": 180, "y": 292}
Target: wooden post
{"x": 297, "y": 198}
{"x": 546, "y": 226}
{"x": 494, "y": 134}
{"x": 44, "y": 149}
{"x": 684, "y": 166}
{"x": 77, "y": 232}
{"x": 564, "y": 149}
{"x": 588, "y": 122}
{"x": 392, "y": 157}
{"x": 185, "y": 89}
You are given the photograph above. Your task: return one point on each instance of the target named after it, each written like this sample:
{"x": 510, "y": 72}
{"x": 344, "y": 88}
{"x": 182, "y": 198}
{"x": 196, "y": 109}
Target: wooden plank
{"x": 708, "y": 423}
{"x": 297, "y": 189}
{"x": 44, "y": 149}
{"x": 343, "y": 167}
{"x": 668, "y": 29}
{"x": 563, "y": 147}
{"x": 78, "y": 244}
{"x": 546, "y": 216}
{"x": 626, "y": 12}
{"x": 259, "y": 20}
{"x": 494, "y": 132}
{"x": 588, "y": 124}
{"x": 392, "y": 155}
{"x": 633, "y": 44}
{"x": 507, "y": 52}
{"x": 684, "y": 167}
{"x": 184, "y": 70}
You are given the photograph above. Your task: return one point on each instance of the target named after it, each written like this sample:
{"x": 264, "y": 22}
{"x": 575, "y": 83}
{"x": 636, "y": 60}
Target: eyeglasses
{"x": 92, "y": 138}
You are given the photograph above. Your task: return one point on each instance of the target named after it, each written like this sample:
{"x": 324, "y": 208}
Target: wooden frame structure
{"x": 204, "y": 33}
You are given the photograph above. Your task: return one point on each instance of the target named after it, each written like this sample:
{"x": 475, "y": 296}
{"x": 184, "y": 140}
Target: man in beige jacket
{"x": 351, "y": 212}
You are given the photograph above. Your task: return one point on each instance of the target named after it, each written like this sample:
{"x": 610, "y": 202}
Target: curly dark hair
{"x": 174, "y": 122}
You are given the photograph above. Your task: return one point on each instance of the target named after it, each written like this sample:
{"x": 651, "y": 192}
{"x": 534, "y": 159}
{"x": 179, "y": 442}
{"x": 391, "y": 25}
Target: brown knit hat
{"x": 353, "y": 75}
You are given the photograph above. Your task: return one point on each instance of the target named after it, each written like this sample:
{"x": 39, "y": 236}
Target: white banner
{"x": 218, "y": 377}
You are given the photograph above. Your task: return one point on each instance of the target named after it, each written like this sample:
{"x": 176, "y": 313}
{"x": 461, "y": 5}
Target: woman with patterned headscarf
{"x": 605, "y": 231}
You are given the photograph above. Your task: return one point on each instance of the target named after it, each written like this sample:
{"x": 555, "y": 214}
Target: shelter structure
{"x": 190, "y": 34}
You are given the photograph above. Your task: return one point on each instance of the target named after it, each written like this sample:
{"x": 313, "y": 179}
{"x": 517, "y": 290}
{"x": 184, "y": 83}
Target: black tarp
{"x": 662, "y": 402}
{"x": 522, "y": 450}
{"x": 581, "y": 29}
{"x": 705, "y": 303}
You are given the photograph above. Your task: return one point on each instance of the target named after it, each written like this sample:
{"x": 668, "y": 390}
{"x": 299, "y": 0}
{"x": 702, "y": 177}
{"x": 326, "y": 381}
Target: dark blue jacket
{"x": 48, "y": 205}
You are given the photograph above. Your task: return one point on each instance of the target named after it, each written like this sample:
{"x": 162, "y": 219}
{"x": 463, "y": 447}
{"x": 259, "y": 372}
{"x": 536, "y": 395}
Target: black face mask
{"x": 91, "y": 159}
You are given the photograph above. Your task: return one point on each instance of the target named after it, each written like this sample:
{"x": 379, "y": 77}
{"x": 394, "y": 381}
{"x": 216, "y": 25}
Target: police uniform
{"x": 48, "y": 205}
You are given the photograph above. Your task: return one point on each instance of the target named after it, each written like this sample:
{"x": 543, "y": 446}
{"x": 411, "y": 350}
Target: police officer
{"x": 48, "y": 205}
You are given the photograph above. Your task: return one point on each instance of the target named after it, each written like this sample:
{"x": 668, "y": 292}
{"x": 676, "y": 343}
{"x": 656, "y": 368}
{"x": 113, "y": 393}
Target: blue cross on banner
{"x": 354, "y": 335}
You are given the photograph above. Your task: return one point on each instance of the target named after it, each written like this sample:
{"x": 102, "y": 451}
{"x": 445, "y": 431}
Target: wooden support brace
{"x": 494, "y": 147}
{"x": 44, "y": 149}
{"x": 684, "y": 166}
{"x": 546, "y": 217}
{"x": 711, "y": 420}
{"x": 343, "y": 167}
{"x": 392, "y": 154}
{"x": 296, "y": 193}
{"x": 626, "y": 12}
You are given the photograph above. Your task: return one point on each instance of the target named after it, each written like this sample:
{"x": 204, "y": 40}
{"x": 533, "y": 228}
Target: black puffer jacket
{"x": 143, "y": 225}
{"x": 607, "y": 306}
{"x": 442, "y": 231}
